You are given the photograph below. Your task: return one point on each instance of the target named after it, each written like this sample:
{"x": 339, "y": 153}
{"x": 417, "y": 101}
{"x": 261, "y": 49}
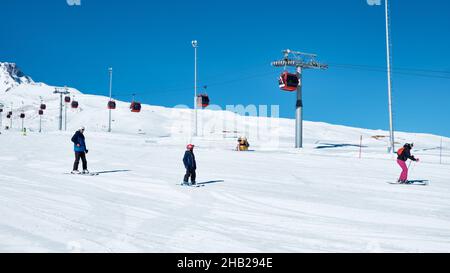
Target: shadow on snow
{"x": 114, "y": 171}
{"x": 210, "y": 182}
{"x": 332, "y": 146}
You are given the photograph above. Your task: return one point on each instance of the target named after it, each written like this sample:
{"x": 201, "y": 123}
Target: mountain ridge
{"x": 12, "y": 76}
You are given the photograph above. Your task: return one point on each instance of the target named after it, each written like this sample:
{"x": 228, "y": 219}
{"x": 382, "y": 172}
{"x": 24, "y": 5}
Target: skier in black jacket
{"x": 79, "y": 144}
{"x": 190, "y": 164}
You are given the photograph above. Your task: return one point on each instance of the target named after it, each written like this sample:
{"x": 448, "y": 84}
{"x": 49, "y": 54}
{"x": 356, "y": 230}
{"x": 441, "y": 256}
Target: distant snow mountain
{"x": 11, "y": 76}
{"x": 20, "y": 94}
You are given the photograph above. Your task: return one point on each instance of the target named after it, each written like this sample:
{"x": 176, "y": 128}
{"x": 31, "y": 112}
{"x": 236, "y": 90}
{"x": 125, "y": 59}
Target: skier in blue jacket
{"x": 190, "y": 165}
{"x": 80, "y": 151}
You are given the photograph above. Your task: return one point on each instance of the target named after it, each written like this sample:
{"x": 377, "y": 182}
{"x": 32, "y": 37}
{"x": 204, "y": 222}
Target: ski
{"x": 412, "y": 183}
{"x": 84, "y": 174}
{"x": 91, "y": 174}
{"x": 191, "y": 186}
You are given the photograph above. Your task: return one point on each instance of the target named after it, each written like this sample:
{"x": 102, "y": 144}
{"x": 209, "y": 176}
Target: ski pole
{"x": 409, "y": 169}
{"x": 412, "y": 168}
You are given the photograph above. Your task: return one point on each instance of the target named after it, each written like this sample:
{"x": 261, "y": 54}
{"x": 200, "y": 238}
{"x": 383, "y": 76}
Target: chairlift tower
{"x": 40, "y": 116}
{"x": 61, "y": 92}
{"x": 65, "y": 109}
{"x": 22, "y": 117}
{"x": 195, "y": 46}
{"x": 11, "y": 118}
{"x": 1, "y": 118}
{"x": 391, "y": 148}
{"x": 300, "y": 61}
{"x": 110, "y": 70}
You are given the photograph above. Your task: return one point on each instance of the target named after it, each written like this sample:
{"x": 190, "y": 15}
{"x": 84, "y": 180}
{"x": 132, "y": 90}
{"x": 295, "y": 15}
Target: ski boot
{"x": 86, "y": 172}
{"x": 76, "y": 172}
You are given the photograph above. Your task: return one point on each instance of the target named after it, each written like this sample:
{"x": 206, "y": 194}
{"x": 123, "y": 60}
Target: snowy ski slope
{"x": 273, "y": 199}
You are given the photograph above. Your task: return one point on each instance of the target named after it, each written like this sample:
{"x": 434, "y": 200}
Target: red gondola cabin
{"x": 135, "y": 107}
{"x": 22, "y": 116}
{"x": 111, "y": 105}
{"x": 74, "y": 104}
{"x": 289, "y": 82}
{"x": 203, "y": 101}
{"x": 67, "y": 99}
{"x": 41, "y": 112}
{"x": 43, "y": 106}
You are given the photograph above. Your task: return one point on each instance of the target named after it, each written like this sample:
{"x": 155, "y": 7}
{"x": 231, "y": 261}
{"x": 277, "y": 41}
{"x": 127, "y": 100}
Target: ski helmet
{"x": 190, "y": 147}
{"x": 408, "y": 145}
{"x": 82, "y": 128}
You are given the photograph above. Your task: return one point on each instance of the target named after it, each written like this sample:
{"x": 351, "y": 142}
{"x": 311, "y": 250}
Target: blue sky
{"x": 148, "y": 44}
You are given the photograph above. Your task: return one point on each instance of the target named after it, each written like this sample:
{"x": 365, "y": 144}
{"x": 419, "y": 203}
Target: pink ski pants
{"x": 404, "y": 175}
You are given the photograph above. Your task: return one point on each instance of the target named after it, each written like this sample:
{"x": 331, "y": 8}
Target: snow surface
{"x": 273, "y": 199}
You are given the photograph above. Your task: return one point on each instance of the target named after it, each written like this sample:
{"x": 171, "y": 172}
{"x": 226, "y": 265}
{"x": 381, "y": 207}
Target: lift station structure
{"x": 294, "y": 82}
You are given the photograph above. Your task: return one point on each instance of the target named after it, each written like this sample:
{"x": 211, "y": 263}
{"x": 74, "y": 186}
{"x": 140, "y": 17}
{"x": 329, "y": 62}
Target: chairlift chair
{"x": 289, "y": 82}
{"x": 74, "y": 104}
{"x": 203, "y": 100}
{"x": 111, "y": 105}
{"x": 135, "y": 107}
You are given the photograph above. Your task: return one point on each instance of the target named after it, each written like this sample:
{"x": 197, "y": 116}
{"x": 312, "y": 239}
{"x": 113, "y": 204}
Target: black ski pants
{"x": 78, "y": 156}
{"x": 191, "y": 174}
